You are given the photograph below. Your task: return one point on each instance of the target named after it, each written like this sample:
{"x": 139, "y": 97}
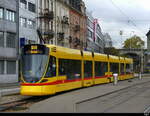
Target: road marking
{"x": 147, "y": 111}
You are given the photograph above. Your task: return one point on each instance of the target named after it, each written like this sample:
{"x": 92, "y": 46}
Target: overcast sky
{"x": 130, "y": 16}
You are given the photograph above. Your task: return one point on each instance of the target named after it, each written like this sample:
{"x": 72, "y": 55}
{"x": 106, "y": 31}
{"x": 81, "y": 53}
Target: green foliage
{"x": 111, "y": 51}
{"x": 134, "y": 42}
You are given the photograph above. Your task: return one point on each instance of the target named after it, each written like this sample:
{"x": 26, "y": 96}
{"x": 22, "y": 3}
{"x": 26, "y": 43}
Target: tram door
{"x": 88, "y": 73}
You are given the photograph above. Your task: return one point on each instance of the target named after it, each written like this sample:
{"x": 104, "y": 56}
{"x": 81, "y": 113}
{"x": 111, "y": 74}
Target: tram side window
{"x": 100, "y": 68}
{"x": 122, "y": 71}
{"x": 51, "y": 70}
{"x": 114, "y": 67}
{"x": 128, "y": 68}
{"x": 87, "y": 69}
{"x": 70, "y": 68}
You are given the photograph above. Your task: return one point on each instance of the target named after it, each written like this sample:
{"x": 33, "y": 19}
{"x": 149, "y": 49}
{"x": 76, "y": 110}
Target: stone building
{"x": 63, "y": 22}
{"x": 77, "y": 24}
{"x": 53, "y": 21}
{"x": 9, "y": 28}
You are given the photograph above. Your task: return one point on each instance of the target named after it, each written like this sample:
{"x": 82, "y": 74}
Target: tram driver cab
{"x": 34, "y": 62}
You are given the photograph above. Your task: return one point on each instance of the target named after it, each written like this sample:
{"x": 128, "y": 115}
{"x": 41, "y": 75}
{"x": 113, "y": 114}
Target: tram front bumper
{"x": 37, "y": 90}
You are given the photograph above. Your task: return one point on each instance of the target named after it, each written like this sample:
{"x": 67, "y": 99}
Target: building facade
{"x": 95, "y": 38}
{"x": 9, "y": 28}
{"x": 77, "y": 24}
{"x": 53, "y": 21}
{"x": 108, "y": 40}
{"x": 63, "y": 22}
{"x": 28, "y": 22}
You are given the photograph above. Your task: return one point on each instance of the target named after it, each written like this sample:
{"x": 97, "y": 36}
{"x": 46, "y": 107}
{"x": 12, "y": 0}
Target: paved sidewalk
{"x": 9, "y": 89}
{"x": 9, "y": 85}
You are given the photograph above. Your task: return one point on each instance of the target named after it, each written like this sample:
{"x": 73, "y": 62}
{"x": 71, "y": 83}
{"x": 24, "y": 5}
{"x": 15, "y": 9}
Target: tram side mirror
{"x": 62, "y": 78}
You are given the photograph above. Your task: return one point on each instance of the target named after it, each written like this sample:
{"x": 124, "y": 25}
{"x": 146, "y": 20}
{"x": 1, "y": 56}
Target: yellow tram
{"x": 48, "y": 69}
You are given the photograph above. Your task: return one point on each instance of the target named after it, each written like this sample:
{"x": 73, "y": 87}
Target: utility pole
{"x": 121, "y": 33}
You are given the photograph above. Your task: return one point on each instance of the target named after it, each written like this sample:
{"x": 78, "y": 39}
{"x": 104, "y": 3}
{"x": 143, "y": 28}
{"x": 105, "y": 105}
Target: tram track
{"x": 21, "y": 104}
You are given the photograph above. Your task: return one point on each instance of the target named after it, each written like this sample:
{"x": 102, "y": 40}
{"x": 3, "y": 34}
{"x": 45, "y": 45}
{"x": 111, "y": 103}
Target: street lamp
{"x": 141, "y": 62}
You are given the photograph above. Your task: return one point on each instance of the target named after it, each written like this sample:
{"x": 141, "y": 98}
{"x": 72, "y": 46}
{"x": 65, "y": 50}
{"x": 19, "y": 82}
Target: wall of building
{"x": 95, "y": 39}
{"x": 108, "y": 40}
{"x": 25, "y": 30}
{"x": 78, "y": 28}
{"x": 8, "y": 41}
{"x": 62, "y": 14}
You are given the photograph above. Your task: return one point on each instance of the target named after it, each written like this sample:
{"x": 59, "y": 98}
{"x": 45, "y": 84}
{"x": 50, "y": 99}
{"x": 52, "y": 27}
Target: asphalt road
{"x": 125, "y": 97}
{"x": 131, "y": 100}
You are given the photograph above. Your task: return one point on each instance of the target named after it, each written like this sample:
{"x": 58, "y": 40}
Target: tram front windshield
{"x": 33, "y": 67}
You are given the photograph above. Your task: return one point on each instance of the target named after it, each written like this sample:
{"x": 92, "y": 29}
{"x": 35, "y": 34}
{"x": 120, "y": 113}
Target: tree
{"x": 111, "y": 51}
{"x": 134, "y": 42}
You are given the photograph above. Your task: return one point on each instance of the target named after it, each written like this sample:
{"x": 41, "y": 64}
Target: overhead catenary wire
{"x": 130, "y": 20}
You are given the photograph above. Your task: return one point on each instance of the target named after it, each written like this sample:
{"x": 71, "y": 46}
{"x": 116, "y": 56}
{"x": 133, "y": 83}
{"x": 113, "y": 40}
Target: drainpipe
{"x": 18, "y": 40}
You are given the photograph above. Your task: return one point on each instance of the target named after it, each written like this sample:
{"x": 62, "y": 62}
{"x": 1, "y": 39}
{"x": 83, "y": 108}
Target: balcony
{"x": 65, "y": 20}
{"x": 60, "y": 36}
{"x": 46, "y": 14}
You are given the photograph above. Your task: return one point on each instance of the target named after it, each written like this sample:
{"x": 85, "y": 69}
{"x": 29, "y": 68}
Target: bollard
{"x": 0, "y": 93}
{"x": 115, "y": 75}
{"x": 140, "y": 76}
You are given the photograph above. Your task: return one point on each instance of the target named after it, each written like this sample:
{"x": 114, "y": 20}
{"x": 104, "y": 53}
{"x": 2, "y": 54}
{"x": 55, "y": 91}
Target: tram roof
{"x": 100, "y": 57}
{"x": 129, "y": 60}
{"x": 67, "y": 53}
{"x": 114, "y": 59}
{"x": 122, "y": 60}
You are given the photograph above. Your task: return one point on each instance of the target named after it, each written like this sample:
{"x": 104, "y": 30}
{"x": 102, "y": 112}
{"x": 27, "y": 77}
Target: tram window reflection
{"x": 101, "y": 68}
{"x": 87, "y": 69}
{"x": 122, "y": 71}
{"x": 114, "y": 67}
{"x": 128, "y": 68}
{"x": 51, "y": 70}
{"x": 70, "y": 68}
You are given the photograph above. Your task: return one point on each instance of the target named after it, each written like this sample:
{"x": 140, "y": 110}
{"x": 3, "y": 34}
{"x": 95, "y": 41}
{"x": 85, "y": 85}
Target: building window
{"x": 23, "y": 4}
{"x": 11, "y": 40}
{"x": 31, "y": 42}
{"x": 23, "y": 22}
{"x": 90, "y": 34}
{"x": 10, "y": 15}
{"x": 1, "y": 67}
{"x": 31, "y": 24}
{"x": 90, "y": 24}
{"x": 1, "y": 13}
{"x": 31, "y": 7}
{"x": 1, "y": 39}
{"x": 11, "y": 67}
